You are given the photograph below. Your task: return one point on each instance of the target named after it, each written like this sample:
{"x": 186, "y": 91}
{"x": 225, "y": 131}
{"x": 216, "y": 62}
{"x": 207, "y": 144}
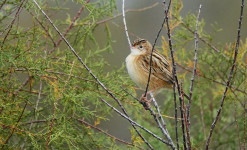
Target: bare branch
{"x": 151, "y": 56}
{"x": 166, "y": 133}
{"x": 175, "y": 78}
{"x": 104, "y": 132}
{"x": 125, "y": 25}
{"x": 166, "y": 142}
{"x": 193, "y": 78}
{"x": 229, "y": 77}
{"x": 163, "y": 126}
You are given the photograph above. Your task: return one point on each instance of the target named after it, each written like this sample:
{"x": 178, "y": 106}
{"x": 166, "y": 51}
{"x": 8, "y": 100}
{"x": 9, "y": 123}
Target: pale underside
{"x": 138, "y": 66}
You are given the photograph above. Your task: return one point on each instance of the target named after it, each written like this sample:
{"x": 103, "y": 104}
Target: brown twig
{"x": 2, "y": 4}
{"x": 12, "y": 22}
{"x": 229, "y": 77}
{"x": 126, "y": 11}
{"x": 46, "y": 30}
{"x": 175, "y": 114}
{"x": 175, "y": 77}
{"x": 153, "y": 46}
{"x": 13, "y": 129}
{"x": 69, "y": 27}
{"x": 185, "y": 118}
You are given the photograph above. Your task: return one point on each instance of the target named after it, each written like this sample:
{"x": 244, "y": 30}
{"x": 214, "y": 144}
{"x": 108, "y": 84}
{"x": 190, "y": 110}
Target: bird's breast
{"x": 134, "y": 71}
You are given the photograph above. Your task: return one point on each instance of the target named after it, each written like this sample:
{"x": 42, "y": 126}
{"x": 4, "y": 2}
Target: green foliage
{"x": 46, "y": 93}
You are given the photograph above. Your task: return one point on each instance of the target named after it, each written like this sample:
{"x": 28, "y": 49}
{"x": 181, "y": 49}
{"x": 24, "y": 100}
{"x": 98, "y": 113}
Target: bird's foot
{"x": 145, "y": 102}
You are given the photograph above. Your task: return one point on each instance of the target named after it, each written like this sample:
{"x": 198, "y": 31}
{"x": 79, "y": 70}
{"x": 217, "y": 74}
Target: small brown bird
{"x": 138, "y": 65}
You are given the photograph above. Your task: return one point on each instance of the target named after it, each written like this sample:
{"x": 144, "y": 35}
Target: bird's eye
{"x": 140, "y": 46}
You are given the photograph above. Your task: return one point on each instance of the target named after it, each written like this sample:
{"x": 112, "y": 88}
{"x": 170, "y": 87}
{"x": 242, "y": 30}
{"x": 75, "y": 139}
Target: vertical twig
{"x": 151, "y": 56}
{"x": 175, "y": 78}
{"x": 187, "y": 119}
{"x": 229, "y": 77}
{"x": 125, "y": 25}
{"x": 195, "y": 66}
{"x": 176, "y": 114}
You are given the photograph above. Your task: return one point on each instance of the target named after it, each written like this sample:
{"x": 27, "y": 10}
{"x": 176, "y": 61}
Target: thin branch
{"x": 125, "y": 26}
{"x": 46, "y": 31}
{"x": 107, "y": 134}
{"x": 193, "y": 78}
{"x": 2, "y": 4}
{"x": 151, "y": 56}
{"x": 163, "y": 126}
{"x": 185, "y": 118}
{"x": 13, "y": 21}
{"x": 121, "y": 114}
{"x": 229, "y": 77}
{"x": 166, "y": 133}
{"x": 175, "y": 78}
{"x": 13, "y": 129}
{"x": 126, "y": 11}
{"x": 70, "y": 27}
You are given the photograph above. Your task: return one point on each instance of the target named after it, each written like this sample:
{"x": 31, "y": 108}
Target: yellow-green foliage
{"x": 45, "y": 92}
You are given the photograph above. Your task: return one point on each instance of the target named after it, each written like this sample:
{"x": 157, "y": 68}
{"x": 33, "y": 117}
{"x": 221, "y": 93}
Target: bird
{"x": 138, "y": 66}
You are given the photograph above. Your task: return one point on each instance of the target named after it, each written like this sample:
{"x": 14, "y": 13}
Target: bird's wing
{"x": 160, "y": 66}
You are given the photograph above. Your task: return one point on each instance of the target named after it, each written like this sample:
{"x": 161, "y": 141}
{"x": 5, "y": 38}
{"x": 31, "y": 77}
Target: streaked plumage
{"x": 138, "y": 65}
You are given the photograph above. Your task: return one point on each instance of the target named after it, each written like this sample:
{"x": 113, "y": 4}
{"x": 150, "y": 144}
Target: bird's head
{"x": 141, "y": 47}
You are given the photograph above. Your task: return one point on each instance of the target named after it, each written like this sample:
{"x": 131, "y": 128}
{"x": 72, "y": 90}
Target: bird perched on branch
{"x": 138, "y": 66}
